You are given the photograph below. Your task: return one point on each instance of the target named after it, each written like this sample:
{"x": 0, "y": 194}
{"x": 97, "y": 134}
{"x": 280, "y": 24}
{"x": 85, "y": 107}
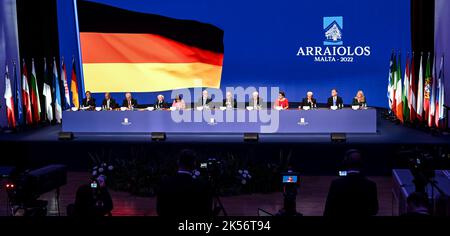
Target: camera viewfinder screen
{"x": 289, "y": 179}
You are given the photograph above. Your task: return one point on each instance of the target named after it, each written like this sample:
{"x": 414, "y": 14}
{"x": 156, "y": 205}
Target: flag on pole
{"x": 9, "y": 100}
{"x": 394, "y": 85}
{"x": 398, "y": 91}
{"x": 420, "y": 89}
{"x": 406, "y": 91}
{"x": 47, "y": 92}
{"x": 440, "y": 97}
{"x": 35, "y": 101}
{"x": 26, "y": 95}
{"x": 427, "y": 89}
{"x": 412, "y": 92}
{"x": 432, "y": 96}
{"x": 66, "y": 87}
{"x": 18, "y": 96}
{"x": 390, "y": 88}
{"x": 56, "y": 87}
{"x": 74, "y": 86}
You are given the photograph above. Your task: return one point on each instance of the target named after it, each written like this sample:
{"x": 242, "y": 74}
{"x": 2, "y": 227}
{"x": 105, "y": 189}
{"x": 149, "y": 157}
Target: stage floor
{"x": 387, "y": 133}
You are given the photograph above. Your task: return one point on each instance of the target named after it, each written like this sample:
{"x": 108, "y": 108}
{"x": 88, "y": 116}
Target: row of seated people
{"x": 282, "y": 102}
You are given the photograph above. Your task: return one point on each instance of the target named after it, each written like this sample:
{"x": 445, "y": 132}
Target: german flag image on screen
{"x": 129, "y": 51}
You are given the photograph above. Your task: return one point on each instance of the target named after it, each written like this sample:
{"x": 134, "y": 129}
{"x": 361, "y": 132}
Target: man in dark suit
{"x": 93, "y": 200}
{"x": 255, "y": 101}
{"x": 89, "y": 101}
{"x": 205, "y": 100}
{"x": 309, "y": 100}
{"x": 160, "y": 103}
{"x": 182, "y": 195}
{"x": 109, "y": 103}
{"x": 229, "y": 101}
{"x": 353, "y": 194}
{"x": 129, "y": 102}
{"x": 335, "y": 100}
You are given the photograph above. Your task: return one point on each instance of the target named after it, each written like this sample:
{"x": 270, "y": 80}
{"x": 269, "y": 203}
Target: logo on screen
{"x": 333, "y": 49}
{"x": 333, "y": 25}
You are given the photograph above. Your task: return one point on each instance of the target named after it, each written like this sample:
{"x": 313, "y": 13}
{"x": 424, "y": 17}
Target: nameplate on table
{"x": 126, "y": 121}
{"x": 302, "y": 122}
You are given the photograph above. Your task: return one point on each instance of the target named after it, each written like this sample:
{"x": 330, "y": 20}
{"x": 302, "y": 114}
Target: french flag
{"x": 9, "y": 101}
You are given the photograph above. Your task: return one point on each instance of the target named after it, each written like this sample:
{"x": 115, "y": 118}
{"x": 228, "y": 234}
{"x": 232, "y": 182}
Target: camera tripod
{"x": 217, "y": 205}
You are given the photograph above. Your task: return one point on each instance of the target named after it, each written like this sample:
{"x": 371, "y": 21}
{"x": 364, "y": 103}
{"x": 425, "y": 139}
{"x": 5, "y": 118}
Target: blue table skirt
{"x": 217, "y": 121}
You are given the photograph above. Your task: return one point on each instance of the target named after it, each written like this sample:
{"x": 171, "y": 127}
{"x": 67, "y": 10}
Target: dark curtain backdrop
{"x": 422, "y": 29}
{"x": 38, "y": 36}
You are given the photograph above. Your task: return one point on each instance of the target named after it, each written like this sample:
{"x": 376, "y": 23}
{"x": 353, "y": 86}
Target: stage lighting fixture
{"x": 158, "y": 136}
{"x": 338, "y": 137}
{"x": 251, "y": 137}
{"x": 65, "y": 136}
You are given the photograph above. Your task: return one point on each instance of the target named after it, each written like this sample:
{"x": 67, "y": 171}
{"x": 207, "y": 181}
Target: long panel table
{"x": 217, "y": 121}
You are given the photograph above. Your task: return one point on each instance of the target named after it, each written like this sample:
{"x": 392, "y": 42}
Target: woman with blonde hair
{"x": 359, "y": 99}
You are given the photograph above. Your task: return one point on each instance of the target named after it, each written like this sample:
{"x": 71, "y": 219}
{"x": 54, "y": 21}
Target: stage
{"x": 387, "y": 132}
{"x": 314, "y": 154}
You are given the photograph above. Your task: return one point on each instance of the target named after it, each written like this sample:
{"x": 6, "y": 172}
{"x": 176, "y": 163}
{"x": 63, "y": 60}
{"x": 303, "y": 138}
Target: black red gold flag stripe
{"x": 130, "y": 51}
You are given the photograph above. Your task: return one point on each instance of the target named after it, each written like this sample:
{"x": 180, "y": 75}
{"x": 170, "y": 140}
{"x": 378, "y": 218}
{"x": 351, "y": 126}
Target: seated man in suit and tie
{"x": 129, "y": 102}
{"x": 205, "y": 100}
{"x": 309, "y": 100}
{"x": 88, "y": 102}
{"x": 255, "y": 101}
{"x": 359, "y": 99}
{"x": 229, "y": 101}
{"x": 160, "y": 102}
{"x": 109, "y": 103}
{"x": 335, "y": 100}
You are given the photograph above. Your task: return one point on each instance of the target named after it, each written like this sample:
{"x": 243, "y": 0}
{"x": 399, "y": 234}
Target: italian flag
{"x": 398, "y": 92}
{"x": 406, "y": 91}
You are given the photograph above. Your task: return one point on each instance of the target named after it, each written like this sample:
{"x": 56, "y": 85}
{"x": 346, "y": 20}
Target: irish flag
{"x": 130, "y": 51}
{"x": 9, "y": 100}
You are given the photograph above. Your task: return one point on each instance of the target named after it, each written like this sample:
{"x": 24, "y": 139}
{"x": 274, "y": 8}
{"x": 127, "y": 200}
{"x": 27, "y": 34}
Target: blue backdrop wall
{"x": 442, "y": 39}
{"x": 268, "y": 43}
{"x": 9, "y": 49}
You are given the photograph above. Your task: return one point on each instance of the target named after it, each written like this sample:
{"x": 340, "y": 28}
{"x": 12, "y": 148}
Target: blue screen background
{"x": 262, "y": 39}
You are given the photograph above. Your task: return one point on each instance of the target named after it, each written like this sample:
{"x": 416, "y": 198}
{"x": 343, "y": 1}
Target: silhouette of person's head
{"x": 186, "y": 160}
{"x": 353, "y": 160}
